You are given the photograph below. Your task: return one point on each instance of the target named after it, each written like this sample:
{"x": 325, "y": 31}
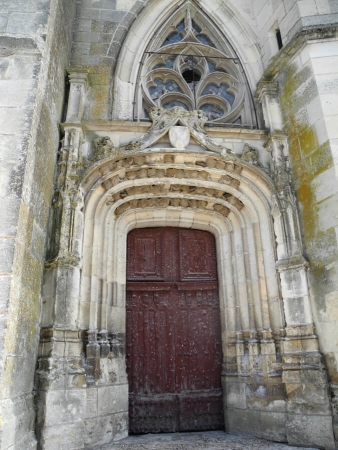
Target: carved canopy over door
{"x": 174, "y": 354}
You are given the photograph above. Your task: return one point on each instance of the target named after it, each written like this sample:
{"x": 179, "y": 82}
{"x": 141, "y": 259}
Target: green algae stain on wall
{"x": 308, "y": 159}
{"x": 308, "y": 141}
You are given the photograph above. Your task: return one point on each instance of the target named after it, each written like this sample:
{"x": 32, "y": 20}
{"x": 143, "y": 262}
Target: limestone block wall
{"x": 101, "y": 27}
{"x": 99, "y": 31}
{"x": 34, "y": 53}
{"x": 290, "y": 17}
{"x": 308, "y": 93}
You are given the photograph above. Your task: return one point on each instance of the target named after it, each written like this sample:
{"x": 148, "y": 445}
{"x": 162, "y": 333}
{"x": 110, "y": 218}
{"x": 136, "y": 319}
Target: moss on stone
{"x": 99, "y": 79}
{"x": 308, "y": 141}
{"x": 321, "y": 159}
{"x": 308, "y": 159}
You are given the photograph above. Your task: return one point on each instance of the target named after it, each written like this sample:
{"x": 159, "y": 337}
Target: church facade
{"x": 169, "y": 232}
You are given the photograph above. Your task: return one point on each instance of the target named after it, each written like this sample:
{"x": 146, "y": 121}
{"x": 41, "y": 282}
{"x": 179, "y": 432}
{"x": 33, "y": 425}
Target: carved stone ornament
{"x": 179, "y": 137}
{"x": 282, "y": 174}
{"x": 66, "y": 260}
{"x": 103, "y": 148}
{"x": 249, "y": 155}
{"x": 165, "y": 119}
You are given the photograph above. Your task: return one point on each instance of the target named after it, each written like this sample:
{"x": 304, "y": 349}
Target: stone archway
{"x": 235, "y": 201}
{"x": 191, "y": 191}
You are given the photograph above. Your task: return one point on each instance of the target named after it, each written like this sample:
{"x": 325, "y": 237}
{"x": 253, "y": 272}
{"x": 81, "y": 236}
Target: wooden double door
{"x": 174, "y": 353}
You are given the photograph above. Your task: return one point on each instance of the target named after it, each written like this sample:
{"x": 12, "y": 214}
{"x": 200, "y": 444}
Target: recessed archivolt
{"x": 175, "y": 195}
{"x": 200, "y": 176}
{"x": 135, "y": 166}
{"x": 186, "y": 190}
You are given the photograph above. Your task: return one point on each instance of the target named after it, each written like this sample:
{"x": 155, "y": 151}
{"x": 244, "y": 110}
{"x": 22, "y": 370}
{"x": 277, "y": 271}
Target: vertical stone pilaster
{"x": 67, "y": 262}
{"x": 334, "y": 397}
{"x": 267, "y": 94}
{"x": 61, "y": 378}
{"x": 309, "y": 414}
{"x": 268, "y": 355}
{"x": 76, "y": 101}
{"x": 304, "y": 374}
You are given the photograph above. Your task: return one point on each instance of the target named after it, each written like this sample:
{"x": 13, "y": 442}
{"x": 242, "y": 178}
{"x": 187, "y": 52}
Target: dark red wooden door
{"x": 174, "y": 354}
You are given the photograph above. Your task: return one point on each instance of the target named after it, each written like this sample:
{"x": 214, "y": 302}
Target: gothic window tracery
{"x": 190, "y": 64}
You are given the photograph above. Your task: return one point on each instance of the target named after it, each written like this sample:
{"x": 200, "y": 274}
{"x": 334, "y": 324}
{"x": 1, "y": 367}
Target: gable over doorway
{"x": 174, "y": 352}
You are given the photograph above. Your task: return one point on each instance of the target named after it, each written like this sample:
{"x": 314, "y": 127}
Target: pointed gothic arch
{"x": 235, "y": 41}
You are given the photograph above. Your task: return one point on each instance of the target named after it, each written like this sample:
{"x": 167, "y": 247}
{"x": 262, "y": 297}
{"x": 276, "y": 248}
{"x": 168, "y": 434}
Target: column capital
{"x": 265, "y": 88}
{"x": 78, "y": 87}
{"x": 77, "y": 76}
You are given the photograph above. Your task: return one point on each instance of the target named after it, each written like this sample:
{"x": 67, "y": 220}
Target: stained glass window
{"x": 196, "y": 27}
{"x": 197, "y": 71}
{"x": 176, "y": 36}
{"x": 162, "y": 88}
{"x": 222, "y": 90}
{"x": 172, "y": 39}
{"x": 172, "y": 104}
{"x": 213, "y": 67}
{"x": 169, "y": 63}
{"x": 205, "y": 40}
{"x": 172, "y": 86}
{"x": 213, "y": 112}
{"x": 156, "y": 92}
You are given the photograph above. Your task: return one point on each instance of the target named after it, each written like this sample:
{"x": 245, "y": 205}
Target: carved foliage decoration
{"x": 67, "y": 201}
{"x": 164, "y": 119}
{"x": 164, "y": 202}
{"x": 249, "y": 155}
{"x": 162, "y": 192}
{"x": 104, "y": 148}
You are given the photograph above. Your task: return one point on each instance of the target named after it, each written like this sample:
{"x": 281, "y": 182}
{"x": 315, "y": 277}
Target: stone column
{"x": 61, "y": 376}
{"x": 309, "y": 414}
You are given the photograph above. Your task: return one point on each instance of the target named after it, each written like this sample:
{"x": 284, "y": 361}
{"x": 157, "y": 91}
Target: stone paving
{"x": 212, "y": 440}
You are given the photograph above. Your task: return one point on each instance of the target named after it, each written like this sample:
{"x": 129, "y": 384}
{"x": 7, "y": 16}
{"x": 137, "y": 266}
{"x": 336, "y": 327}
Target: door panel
{"x": 197, "y": 255}
{"x": 174, "y": 354}
{"x": 146, "y": 260}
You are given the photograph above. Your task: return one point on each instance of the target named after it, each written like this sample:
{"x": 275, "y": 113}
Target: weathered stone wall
{"x": 289, "y": 16}
{"x": 102, "y": 26}
{"x": 309, "y": 94}
{"x": 35, "y": 45}
{"x": 81, "y": 378}
{"x": 99, "y": 31}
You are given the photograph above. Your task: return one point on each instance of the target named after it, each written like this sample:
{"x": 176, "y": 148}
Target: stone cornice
{"x": 275, "y": 137}
{"x": 266, "y": 88}
{"x": 293, "y": 263}
{"x": 298, "y": 41}
{"x": 143, "y": 127}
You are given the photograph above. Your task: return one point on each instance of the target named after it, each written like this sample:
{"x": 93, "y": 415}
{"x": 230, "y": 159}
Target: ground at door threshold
{"x": 211, "y": 440}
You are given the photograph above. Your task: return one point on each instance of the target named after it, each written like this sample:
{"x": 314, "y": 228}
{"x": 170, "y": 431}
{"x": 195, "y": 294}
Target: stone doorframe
{"x": 269, "y": 345}
{"x": 243, "y": 212}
